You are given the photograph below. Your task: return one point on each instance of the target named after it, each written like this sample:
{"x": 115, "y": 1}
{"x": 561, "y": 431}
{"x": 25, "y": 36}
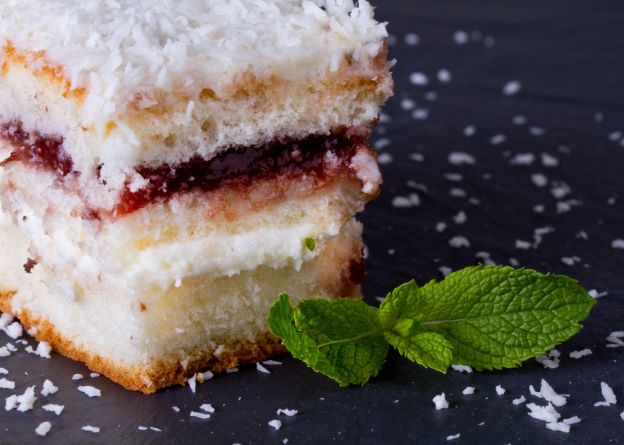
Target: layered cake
{"x": 168, "y": 168}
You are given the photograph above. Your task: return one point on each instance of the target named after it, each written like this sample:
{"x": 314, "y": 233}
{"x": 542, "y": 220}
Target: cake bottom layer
{"x": 146, "y": 342}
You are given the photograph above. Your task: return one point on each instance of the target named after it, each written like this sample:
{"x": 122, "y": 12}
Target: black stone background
{"x": 567, "y": 54}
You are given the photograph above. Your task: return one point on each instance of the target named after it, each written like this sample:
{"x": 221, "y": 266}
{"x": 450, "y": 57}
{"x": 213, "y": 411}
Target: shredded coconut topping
{"x": 127, "y": 51}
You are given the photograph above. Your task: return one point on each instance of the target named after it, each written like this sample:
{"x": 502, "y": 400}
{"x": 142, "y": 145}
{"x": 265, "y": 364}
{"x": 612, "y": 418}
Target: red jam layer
{"x": 313, "y": 156}
{"x": 36, "y": 149}
{"x": 239, "y": 167}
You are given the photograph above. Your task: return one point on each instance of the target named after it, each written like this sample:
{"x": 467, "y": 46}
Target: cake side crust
{"x": 151, "y": 377}
{"x": 146, "y": 379}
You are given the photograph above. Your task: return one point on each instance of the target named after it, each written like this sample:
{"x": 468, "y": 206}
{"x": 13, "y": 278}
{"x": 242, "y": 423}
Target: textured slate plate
{"x": 567, "y": 56}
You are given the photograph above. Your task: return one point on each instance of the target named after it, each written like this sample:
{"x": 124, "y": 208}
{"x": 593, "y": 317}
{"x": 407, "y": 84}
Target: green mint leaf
{"x": 339, "y": 338}
{"x": 310, "y": 244}
{"x": 497, "y": 317}
{"x": 400, "y": 313}
{"x": 428, "y": 349}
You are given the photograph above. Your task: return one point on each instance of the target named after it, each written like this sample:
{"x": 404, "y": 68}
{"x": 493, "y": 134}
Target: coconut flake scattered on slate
{"x": 539, "y": 180}
{"x": 90, "y": 391}
{"x": 547, "y": 393}
{"x": 287, "y": 412}
{"x": 470, "y": 131}
{"x": 23, "y": 402}
{"x": 445, "y": 270}
{"x": 412, "y": 200}
{"x": 460, "y": 37}
{"x": 581, "y": 353}
{"x": 412, "y": 39}
{"x": 462, "y": 368}
{"x": 500, "y": 390}
{"x": 420, "y": 114}
{"x": 261, "y": 368}
{"x": 14, "y": 330}
{"x": 615, "y": 339}
{"x": 207, "y": 407}
{"x": 453, "y": 437}
{"x": 546, "y": 413}
{"x": 199, "y": 415}
{"x": 444, "y": 75}
{"x": 91, "y": 429}
{"x": 522, "y": 159}
{"x": 512, "y": 88}
{"x": 468, "y": 390}
{"x": 43, "y": 349}
{"x": 56, "y": 409}
{"x": 520, "y": 400}
{"x": 551, "y": 361}
{"x": 460, "y": 158}
{"x": 6, "y": 384}
{"x": 460, "y": 217}
{"x": 419, "y": 79}
{"x": 43, "y": 428}
{"x": 440, "y": 401}
{"x": 277, "y": 424}
{"x": 459, "y": 241}
{"x": 617, "y": 243}
{"x": 192, "y": 383}
{"x": 48, "y": 388}
{"x": 607, "y": 394}
{"x": 498, "y": 139}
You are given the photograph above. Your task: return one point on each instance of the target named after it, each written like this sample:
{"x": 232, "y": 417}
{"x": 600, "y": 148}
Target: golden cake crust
{"x": 150, "y": 378}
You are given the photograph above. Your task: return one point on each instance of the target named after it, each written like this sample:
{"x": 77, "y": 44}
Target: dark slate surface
{"x": 567, "y": 56}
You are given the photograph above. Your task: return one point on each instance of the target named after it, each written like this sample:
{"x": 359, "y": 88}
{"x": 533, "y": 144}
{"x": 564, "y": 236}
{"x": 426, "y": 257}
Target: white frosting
{"x": 124, "y": 50}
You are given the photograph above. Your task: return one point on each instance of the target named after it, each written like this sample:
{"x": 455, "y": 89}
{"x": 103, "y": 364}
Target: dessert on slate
{"x": 168, "y": 168}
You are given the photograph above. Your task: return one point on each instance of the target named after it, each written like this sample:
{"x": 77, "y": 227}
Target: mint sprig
{"x": 490, "y": 317}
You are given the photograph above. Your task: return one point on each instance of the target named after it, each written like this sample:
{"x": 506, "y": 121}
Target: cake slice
{"x": 168, "y": 168}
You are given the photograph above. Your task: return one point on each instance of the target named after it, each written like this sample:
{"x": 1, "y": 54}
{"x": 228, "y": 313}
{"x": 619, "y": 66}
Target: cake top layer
{"x": 131, "y": 52}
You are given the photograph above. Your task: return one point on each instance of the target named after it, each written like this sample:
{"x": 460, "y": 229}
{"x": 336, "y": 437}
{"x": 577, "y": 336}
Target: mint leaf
{"x": 428, "y": 349}
{"x": 497, "y": 317}
{"x": 339, "y": 338}
{"x": 310, "y": 244}
{"x": 484, "y": 317}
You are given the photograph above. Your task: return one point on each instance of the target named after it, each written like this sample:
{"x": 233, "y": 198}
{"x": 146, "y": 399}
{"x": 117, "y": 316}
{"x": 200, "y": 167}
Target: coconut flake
{"x": 23, "y": 402}
{"x": 90, "y": 391}
{"x": 287, "y": 412}
{"x": 277, "y": 424}
{"x": 199, "y": 415}
{"x": 14, "y": 330}
{"x": 462, "y": 368}
{"x": 91, "y": 429}
{"x": 43, "y": 428}
{"x": 440, "y": 401}
{"x": 520, "y": 400}
{"x": 582, "y": 353}
{"x": 56, "y": 409}
{"x": 546, "y": 413}
{"x": 7, "y": 384}
{"x": 607, "y": 394}
{"x": 207, "y": 407}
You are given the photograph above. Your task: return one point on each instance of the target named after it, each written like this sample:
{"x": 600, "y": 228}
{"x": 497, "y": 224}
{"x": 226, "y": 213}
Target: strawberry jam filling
{"x": 315, "y": 156}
